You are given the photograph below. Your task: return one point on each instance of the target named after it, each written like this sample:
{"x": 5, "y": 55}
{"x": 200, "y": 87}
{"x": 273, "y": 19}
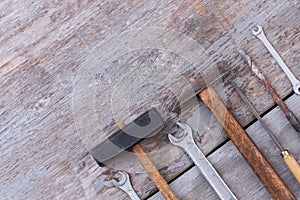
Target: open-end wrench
{"x": 187, "y": 143}
{"x": 259, "y": 33}
{"x": 125, "y": 185}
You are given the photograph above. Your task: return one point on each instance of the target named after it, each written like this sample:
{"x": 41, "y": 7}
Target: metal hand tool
{"x": 187, "y": 143}
{"x": 125, "y": 185}
{"x": 256, "y": 160}
{"x": 288, "y": 113}
{"x": 259, "y": 33}
{"x": 288, "y": 158}
{"x": 147, "y": 124}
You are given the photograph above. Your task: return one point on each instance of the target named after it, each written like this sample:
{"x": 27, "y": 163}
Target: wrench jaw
{"x": 210, "y": 174}
{"x": 174, "y": 140}
{"x": 180, "y": 142}
{"x": 123, "y": 180}
{"x": 125, "y": 185}
{"x": 259, "y": 33}
{"x": 257, "y": 30}
{"x": 185, "y": 140}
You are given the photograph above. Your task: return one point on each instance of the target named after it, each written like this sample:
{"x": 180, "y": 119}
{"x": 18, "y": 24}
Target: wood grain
{"x": 44, "y": 45}
{"x": 154, "y": 174}
{"x": 234, "y": 169}
{"x": 256, "y": 160}
{"x": 151, "y": 170}
{"x": 293, "y": 165}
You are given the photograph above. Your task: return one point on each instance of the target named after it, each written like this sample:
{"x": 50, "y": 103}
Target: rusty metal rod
{"x": 259, "y": 164}
{"x": 288, "y": 113}
{"x": 288, "y": 158}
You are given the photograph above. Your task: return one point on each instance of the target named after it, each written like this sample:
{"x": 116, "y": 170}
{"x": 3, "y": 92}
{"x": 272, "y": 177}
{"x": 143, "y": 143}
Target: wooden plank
{"x": 38, "y": 73}
{"x": 234, "y": 169}
{"x": 225, "y": 46}
{"x": 258, "y": 95}
{"x": 42, "y": 156}
{"x": 230, "y": 54}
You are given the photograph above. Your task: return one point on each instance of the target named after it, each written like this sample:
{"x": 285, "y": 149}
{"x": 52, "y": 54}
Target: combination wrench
{"x": 259, "y": 33}
{"x": 187, "y": 143}
{"x": 125, "y": 185}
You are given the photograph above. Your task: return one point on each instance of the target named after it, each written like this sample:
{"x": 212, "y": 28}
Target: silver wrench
{"x": 187, "y": 143}
{"x": 125, "y": 185}
{"x": 259, "y": 33}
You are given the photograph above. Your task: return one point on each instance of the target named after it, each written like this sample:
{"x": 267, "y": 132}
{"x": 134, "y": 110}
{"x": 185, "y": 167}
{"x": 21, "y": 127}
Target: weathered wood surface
{"x": 46, "y": 44}
{"x": 234, "y": 169}
{"x": 223, "y": 47}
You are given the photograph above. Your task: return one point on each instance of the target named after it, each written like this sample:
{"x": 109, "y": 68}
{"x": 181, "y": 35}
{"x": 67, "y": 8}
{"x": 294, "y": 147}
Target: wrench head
{"x": 186, "y": 136}
{"x": 185, "y": 127}
{"x": 297, "y": 88}
{"x": 122, "y": 181}
{"x": 257, "y": 30}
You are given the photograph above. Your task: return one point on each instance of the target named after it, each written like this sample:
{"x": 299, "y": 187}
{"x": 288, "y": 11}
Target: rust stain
{"x": 225, "y": 22}
{"x": 4, "y": 65}
{"x": 8, "y": 69}
{"x": 256, "y": 160}
{"x": 288, "y": 113}
{"x": 178, "y": 13}
{"x": 178, "y": 17}
{"x": 191, "y": 80}
{"x": 200, "y": 6}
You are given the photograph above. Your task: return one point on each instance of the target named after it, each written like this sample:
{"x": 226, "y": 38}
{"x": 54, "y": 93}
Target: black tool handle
{"x": 147, "y": 124}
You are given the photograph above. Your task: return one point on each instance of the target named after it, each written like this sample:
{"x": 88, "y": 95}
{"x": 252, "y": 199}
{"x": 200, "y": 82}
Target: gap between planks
{"x": 257, "y": 133}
